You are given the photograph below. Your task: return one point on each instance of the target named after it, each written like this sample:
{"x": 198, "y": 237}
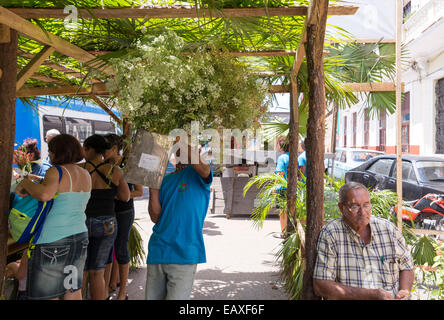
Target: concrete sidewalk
{"x": 240, "y": 259}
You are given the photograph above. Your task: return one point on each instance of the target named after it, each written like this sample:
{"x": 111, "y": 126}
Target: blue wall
{"x": 26, "y": 123}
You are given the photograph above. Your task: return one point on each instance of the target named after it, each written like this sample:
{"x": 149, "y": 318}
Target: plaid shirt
{"x": 343, "y": 257}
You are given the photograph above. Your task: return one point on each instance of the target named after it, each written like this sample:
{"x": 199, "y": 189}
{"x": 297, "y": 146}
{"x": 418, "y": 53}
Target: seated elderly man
{"x": 360, "y": 256}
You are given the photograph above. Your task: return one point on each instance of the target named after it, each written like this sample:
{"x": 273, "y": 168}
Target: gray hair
{"x": 52, "y": 132}
{"x": 347, "y": 187}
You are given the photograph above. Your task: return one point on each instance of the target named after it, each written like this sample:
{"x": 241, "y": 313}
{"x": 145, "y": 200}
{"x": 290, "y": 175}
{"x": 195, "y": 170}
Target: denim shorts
{"x": 125, "y": 221}
{"x": 57, "y": 267}
{"x": 102, "y": 232}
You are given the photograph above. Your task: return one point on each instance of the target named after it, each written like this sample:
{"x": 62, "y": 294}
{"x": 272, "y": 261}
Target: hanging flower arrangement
{"x": 160, "y": 88}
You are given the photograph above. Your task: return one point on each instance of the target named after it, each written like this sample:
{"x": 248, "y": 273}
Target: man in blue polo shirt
{"x": 282, "y": 169}
{"x": 302, "y": 163}
{"x": 176, "y": 246}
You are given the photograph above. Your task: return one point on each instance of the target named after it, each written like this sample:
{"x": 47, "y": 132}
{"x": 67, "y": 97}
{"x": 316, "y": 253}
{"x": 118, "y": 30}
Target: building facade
{"x": 423, "y": 77}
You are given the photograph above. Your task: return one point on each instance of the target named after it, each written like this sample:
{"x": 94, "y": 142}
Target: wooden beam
{"x": 299, "y": 57}
{"x": 99, "y": 89}
{"x": 33, "y": 65}
{"x": 34, "y": 32}
{"x": 44, "y": 78}
{"x": 96, "y": 89}
{"x": 372, "y": 87}
{"x": 102, "y": 105}
{"x": 356, "y": 87}
{"x": 66, "y": 70}
{"x": 47, "y": 79}
{"x": 174, "y": 13}
{"x": 280, "y": 88}
{"x": 314, "y": 143}
{"x": 5, "y": 35}
{"x": 269, "y": 53}
{"x": 427, "y": 231}
{"x": 369, "y": 41}
{"x": 266, "y": 53}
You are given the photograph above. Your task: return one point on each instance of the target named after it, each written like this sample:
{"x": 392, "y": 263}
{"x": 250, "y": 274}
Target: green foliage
{"x": 268, "y": 196}
{"x": 135, "y": 247}
{"x": 291, "y": 262}
{"x": 429, "y": 277}
{"x": 424, "y": 251}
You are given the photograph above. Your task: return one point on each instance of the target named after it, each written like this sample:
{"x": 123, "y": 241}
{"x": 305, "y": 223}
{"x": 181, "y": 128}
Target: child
{"x": 18, "y": 270}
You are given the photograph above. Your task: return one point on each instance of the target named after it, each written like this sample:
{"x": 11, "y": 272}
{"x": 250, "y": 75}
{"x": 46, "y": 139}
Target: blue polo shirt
{"x": 282, "y": 166}
{"x": 177, "y": 237}
{"x": 302, "y": 162}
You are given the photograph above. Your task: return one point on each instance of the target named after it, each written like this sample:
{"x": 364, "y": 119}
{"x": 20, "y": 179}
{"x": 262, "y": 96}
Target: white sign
{"x": 149, "y": 162}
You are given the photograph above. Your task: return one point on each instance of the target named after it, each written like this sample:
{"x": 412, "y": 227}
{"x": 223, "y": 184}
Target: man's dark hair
{"x": 66, "y": 149}
{"x": 98, "y": 143}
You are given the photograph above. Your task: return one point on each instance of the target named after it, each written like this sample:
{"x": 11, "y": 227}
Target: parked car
{"x": 346, "y": 159}
{"x": 420, "y": 175}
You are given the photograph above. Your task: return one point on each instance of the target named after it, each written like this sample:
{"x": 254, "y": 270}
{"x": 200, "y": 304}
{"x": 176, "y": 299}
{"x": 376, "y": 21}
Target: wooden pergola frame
{"x": 175, "y": 12}
{"x": 13, "y": 21}
{"x": 15, "y": 18}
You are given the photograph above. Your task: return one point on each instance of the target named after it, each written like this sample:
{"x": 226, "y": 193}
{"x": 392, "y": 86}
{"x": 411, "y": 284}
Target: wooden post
{"x": 398, "y": 114}
{"x": 8, "y": 63}
{"x": 314, "y": 146}
{"x": 292, "y": 182}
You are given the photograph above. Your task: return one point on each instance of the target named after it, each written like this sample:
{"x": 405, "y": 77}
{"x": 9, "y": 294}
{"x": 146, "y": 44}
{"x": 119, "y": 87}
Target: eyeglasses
{"x": 355, "y": 208}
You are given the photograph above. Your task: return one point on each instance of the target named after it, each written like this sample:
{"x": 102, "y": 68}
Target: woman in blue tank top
{"x": 57, "y": 261}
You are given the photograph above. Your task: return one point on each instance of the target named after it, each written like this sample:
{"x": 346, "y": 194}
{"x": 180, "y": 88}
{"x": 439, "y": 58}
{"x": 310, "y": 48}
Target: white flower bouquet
{"x": 160, "y": 88}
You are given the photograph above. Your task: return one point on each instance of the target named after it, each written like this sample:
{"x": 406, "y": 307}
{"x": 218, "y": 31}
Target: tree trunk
{"x": 315, "y": 29}
{"x": 292, "y": 181}
{"x": 127, "y": 135}
{"x": 8, "y": 65}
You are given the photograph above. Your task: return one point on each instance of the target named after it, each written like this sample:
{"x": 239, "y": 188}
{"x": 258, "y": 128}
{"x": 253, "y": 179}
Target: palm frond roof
{"x": 100, "y": 36}
{"x": 275, "y": 36}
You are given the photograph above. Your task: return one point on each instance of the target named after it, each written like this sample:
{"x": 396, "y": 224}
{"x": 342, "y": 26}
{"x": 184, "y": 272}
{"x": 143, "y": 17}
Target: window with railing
{"x": 405, "y": 124}
{"x": 382, "y": 130}
{"x": 354, "y": 125}
{"x": 366, "y": 128}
